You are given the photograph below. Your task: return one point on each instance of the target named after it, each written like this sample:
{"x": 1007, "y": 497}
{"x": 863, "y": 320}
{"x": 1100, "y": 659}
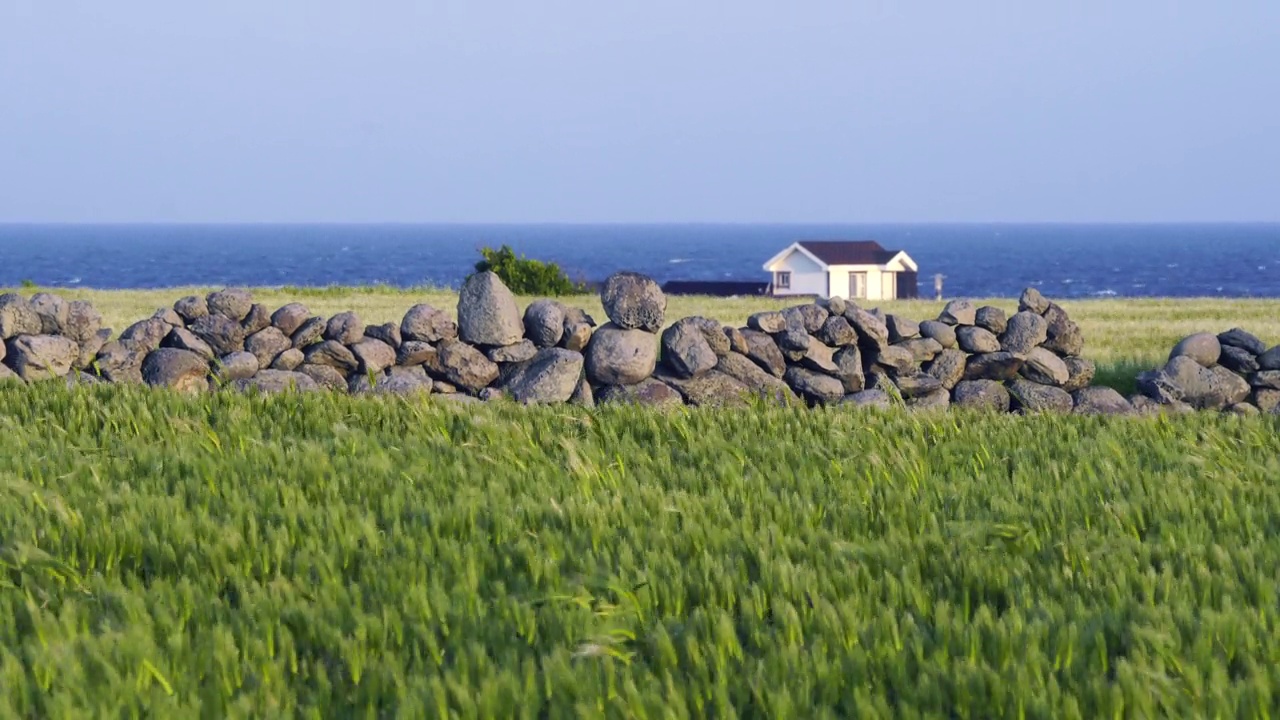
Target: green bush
{"x": 525, "y": 276}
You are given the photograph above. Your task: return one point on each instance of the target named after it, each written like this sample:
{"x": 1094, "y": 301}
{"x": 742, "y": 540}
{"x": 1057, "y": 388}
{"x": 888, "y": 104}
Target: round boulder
{"x": 1204, "y": 348}
{"x": 616, "y": 356}
{"x": 181, "y": 370}
{"x": 634, "y": 302}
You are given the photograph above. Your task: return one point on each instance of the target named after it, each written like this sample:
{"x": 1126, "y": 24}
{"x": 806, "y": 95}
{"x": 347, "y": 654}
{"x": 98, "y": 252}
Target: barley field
{"x": 335, "y": 556}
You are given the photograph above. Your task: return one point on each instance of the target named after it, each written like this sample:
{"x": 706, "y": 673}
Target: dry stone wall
{"x": 1233, "y": 372}
{"x": 827, "y": 352}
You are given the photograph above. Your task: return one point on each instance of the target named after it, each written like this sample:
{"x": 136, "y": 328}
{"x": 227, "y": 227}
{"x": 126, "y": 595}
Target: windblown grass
{"x": 334, "y": 556}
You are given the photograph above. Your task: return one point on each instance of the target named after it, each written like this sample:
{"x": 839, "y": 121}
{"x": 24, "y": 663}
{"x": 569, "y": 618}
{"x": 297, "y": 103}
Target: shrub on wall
{"x": 525, "y": 276}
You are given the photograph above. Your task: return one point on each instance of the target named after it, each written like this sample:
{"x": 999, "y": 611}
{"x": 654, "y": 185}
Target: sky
{"x": 651, "y": 111}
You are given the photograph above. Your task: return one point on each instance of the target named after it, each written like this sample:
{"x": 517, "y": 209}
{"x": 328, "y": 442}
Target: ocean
{"x": 977, "y": 260}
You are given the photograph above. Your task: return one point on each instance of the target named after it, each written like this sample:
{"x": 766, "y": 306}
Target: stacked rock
{"x": 1232, "y": 371}
{"x": 47, "y": 337}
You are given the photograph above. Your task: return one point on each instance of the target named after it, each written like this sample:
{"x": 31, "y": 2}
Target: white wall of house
{"x": 880, "y": 283}
{"x": 807, "y": 276}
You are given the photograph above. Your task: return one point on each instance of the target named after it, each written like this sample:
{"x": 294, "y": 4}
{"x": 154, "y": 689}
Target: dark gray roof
{"x": 849, "y": 252}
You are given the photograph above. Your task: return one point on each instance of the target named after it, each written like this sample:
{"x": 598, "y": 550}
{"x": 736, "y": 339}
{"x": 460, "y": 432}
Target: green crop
{"x": 333, "y": 556}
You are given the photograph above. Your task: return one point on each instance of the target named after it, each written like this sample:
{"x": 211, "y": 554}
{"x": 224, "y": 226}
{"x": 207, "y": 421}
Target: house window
{"x": 857, "y": 285}
{"x": 782, "y": 280}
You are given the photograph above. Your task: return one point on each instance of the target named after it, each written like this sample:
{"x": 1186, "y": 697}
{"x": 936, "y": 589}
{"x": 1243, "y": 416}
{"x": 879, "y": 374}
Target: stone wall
{"x": 823, "y": 353}
{"x": 1233, "y": 371}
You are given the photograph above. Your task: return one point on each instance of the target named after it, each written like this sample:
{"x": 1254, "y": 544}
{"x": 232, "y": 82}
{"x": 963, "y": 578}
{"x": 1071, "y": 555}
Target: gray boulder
{"x": 1065, "y": 338}
{"x": 120, "y": 361}
{"x": 793, "y": 340}
{"x": 1025, "y": 331}
{"x": 183, "y": 339}
{"x": 407, "y": 382}
{"x": 687, "y": 346}
{"x": 290, "y": 317}
{"x": 550, "y": 377}
{"x": 1044, "y": 367}
{"x": 815, "y": 387}
{"x": 180, "y": 370}
{"x": 993, "y": 366}
{"x": 981, "y": 395}
{"x": 1032, "y": 300}
{"x": 487, "y": 312}
{"x": 615, "y": 356}
{"x": 309, "y": 333}
{"x": 1032, "y": 397}
{"x": 231, "y": 303}
{"x": 425, "y": 323}
{"x": 1238, "y": 360}
{"x": 1270, "y": 360}
{"x": 1266, "y": 400}
{"x": 17, "y": 317}
{"x": 522, "y": 351}
{"x": 90, "y": 348}
{"x": 463, "y": 365}
{"x": 973, "y": 339}
{"x": 991, "y": 319}
{"x": 344, "y": 328}
{"x": 767, "y": 322}
{"x": 1203, "y": 388}
{"x": 41, "y": 357}
{"x": 258, "y": 319}
{"x": 912, "y": 386}
{"x": 742, "y": 369}
{"x": 289, "y": 359}
{"x": 266, "y": 344}
{"x": 959, "y": 312}
{"x": 837, "y": 332}
{"x": 1081, "y": 372}
{"x": 191, "y": 308}
{"x": 332, "y": 353}
{"x": 649, "y": 392}
{"x": 1238, "y": 338}
{"x": 820, "y": 357}
{"x": 942, "y": 333}
{"x": 583, "y": 395}
{"x": 1100, "y": 401}
{"x": 922, "y": 349}
{"x": 710, "y": 389}
{"x": 415, "y": 352}
{"x": 325, "y": 376}
{"x": 901, "y": 328}
{"x": 388, "y": 333}
{"x": 221, "y": 333}
{"x": 1266, "y": 380}
{"x": 276, "y": 381}
{"x": 835, "y": 304}
{"x": 763, "y": 351}
{"x": 544, "y": 323}
{"x": 7, "y": 375}
{"x": 938, "y": 399}
{"x": 1204, "y": 348}
{"x": 576, "y": 336}
{"x": 868, "y": 398}
{"x": 169, "y": 317}
{"x": 52, "y": 310}
{"x": 373, "y": 356}
{"x": 1244, "y": 409}
{"x": 812, "y": 317}
{"x": 235, "y": 366}
{"x": 948, "y": 367}
{"x": 147, "y": 333}
{"x": 633, "y": 301}
{"x": 83, "y": 321}
{"x": 737, "y": 341}
{"x": 873, "y": 333}
{"x": 896, "y": 358}
{"x": 849, "y": 369}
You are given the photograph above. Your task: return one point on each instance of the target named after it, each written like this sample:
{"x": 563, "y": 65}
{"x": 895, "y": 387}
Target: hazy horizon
{"x": 863, "y": 113}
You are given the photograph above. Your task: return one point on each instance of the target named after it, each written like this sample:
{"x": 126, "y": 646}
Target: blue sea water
{"x": 994, "y": 260}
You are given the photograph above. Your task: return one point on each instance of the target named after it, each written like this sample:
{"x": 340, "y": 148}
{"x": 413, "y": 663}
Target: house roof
{"x": 848, "y": 252}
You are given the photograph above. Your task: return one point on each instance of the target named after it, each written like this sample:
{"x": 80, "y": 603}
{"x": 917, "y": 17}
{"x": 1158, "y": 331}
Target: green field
{"x": 335, "y": 556}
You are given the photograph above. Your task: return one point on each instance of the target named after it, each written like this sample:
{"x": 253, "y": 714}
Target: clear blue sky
{"x": 651, "y": 111}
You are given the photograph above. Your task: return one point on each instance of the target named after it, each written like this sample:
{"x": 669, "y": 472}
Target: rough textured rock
{"x": 487, "y": 312}
{"x": 290, "y": 317}
{"x": 896, "y": 358}
{"x": 83, "y": 321}
{"x": 1100, "y": 401}
{"x": 815, "y": 387}
{"x": 650, "y": 392}
{"x": 550, "y": 377}
{"x": 90, "y": 348}
{"x": 901, "y": 328}
{"x": 868, "y": 398}
{"x": 973, "y": 339}
{"x": 849, "y": 369}
{"x": 191, "y": 308}
{"x": 463, "y": 365}
{"x": 742, "y": 369}
{"x": 373, "y": 356}
{"x": 1032, "y": 300}
{"x": 1065, "y": 339}
{"x": 1238, "y": 360}
{"x": 1270, "y": 360}
{"x": 576, "y": 336}
{"x": 522, "y": 351}
{"x": 169, "y": 317}
{"x": 147, "y": 333}
{"x": 872, "y": 332}
{"x": 1183, "y": 378}
{"x": 583, "y": 394}
{"x": 793, "y": 340}
{"x": 948, "y": 367}
{"x": 992, "y": 319}
{"x": 837, "y": 332}
{"x": 812, "y": 317}
{"x": 544, "y": 323}
{"x": 121, "y": 362}
{"x": 944, "y": 334}
{"x": 7, "y": 375}
{"x": 687, "y": 350}
{"x": 959, "y": 312}
{"x": 763, "y": 351}
{"x": 415, "y": 352}
{"x": 1243, "y": 408}
{"x": 835, "y": 304}
{"x": 820, "y": 357}
{"x": 634, "y": 302}
{"x": 1025, "y": 331}
{"x": 1267, "y": 380}
{"x": 981, "y": 395}
{"x": 289, "y": 359}
{"x": 221, "y": 333}
{"x": 309, "y": 333}
{"x": 1081, "y": 372}
{"x": 992, "y": 366}
{"x": 1032, "y": 397}
{"x": 615, "y": 356}
{"x": 345, "y": 328}
{"x": 276, "y": 381}
{"x": 325, "y": 376}
{"x": 17, "y": 317}
{"x": 235, "y": 366}
{"x": 767, "y": 322}
{"x": 912, "y": 386}
{"x": 444, "y": 388}
{"x": 232, "y": 303}
{"x": 331, "y": 353}
{"x": 181, "y": 370}
{"x": 1268, "y": 401}
{"x": 266, "y": 344}
{"x": 52, "y": 310}
{"x": 41, "y": 357}
{"x": 388, "y": 333}
{"x": 710, "y": 389}
{"x": 1045, "y": 368}
{"x": 1204, "y": 348}
{"x": 183, "y": 339}
{"x": 577, "y": 316}
{"x": 1243, "y": 340}
{"x": 425, "y": 323}
{"x": 257, "y": 320}
{"x": 737, "y": 341}
{"x": 937, "y": 400}
{"x": 922, "y": 349}
{"x": 409, "y": 381}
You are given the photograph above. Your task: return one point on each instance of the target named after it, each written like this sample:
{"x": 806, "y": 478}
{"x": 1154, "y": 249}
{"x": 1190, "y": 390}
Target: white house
{"x": 860, "y": 270}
